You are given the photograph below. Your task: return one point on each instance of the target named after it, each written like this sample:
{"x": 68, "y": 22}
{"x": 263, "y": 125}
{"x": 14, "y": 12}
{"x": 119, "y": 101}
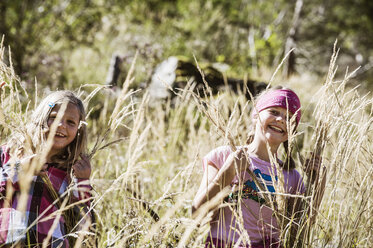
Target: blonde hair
{"x": 289, "y": 162}
{"x": 36, "y": 130}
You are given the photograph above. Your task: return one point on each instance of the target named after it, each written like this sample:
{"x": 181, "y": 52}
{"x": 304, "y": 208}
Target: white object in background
{"x": 163, "y": 78}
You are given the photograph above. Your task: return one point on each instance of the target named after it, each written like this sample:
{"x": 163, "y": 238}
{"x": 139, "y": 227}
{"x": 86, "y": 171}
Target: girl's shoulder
{"x": 217, "y": 156}
{"x": 221, "y": 151}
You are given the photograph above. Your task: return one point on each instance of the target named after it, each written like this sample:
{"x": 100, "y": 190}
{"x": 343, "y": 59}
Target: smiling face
{"x": 271, "y": 126}
{"x": 67, "y": 128}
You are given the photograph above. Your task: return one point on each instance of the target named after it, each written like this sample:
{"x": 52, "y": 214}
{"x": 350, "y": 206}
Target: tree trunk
{"x": 289, "y": 67}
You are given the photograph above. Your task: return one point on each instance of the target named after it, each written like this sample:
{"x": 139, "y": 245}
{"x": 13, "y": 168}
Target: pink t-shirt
{"x": 258, "y": 221}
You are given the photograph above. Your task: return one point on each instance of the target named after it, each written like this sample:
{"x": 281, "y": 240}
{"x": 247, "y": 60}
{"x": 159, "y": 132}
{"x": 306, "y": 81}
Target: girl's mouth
{"x": 61, "y": 135}
{"x": 276, "y": 129}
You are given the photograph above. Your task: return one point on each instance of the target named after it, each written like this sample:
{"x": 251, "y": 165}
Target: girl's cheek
{"x": 49, "y": 123}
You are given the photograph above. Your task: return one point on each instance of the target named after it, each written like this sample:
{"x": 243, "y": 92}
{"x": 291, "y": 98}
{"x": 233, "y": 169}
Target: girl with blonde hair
{"x": 51, "y": 150}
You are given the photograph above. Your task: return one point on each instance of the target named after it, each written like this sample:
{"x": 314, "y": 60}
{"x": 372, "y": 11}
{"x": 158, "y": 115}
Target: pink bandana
{"x": 279, "y": 98}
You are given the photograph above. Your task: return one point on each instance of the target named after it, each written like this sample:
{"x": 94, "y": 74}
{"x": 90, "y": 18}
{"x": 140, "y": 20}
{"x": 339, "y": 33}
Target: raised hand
{"x": 82, "y": 168}
{"x": 241, "y": 160}
{"x": 26, "y": 162}
{"x": 312, "y": 166}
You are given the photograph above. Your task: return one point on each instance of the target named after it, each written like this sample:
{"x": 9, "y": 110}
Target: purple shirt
{"x": 258, "y": 219}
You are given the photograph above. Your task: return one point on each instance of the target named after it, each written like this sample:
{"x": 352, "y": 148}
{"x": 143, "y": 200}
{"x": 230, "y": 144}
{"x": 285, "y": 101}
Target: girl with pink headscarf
{"x": 254, "y": 175}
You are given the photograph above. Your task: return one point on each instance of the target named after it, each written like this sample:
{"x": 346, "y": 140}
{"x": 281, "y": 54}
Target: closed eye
{"x": 275, "y": 112}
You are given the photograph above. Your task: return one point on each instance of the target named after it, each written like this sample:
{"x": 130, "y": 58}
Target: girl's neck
{"x": 50, "y": 156}
{"x": 260, "y": 150}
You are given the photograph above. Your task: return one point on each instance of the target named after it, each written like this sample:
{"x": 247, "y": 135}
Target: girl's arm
{"x": 215, "y": 180}
{"x": 9, "y": 173}
{"x": 82, "y": 171}
{"x": 8, "y": 178}
{"x": 206, "y": 191}
{"x": 318, "y": 194}
{"x": 316, "y": 188}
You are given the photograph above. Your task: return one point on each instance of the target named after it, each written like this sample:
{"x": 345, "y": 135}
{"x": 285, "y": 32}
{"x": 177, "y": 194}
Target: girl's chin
{"x": 275, "y": 140}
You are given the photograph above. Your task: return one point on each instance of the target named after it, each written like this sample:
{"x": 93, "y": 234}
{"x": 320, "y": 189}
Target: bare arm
{"x": 215, "y": 180}
{"x": 318, "y": 194}
{"x": 316, "y": 183}
{"x": 305, "y": 212}
{"x": 206, "y": 191}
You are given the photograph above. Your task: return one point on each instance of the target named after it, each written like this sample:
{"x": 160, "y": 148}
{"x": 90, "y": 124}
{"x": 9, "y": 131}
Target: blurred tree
{"x": 28, "y": 25}
{"x": 246, "y": 34}
{"x": 289, "y": 66}
{"x": 351, "y": 22}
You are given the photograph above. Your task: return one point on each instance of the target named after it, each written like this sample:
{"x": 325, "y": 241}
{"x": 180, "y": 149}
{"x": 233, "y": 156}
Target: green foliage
{"x": 45, "y": 36}
{"x": 36, "y": 27}
{"x": 350, "y": 22}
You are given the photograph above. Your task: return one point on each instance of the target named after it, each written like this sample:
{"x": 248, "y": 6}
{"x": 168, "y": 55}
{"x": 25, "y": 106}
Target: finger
{"x": 31, "y": 156}
{"x": 317, "y": 162}
{"x": 84, "y": 157}
{"x": 76, "y": 167}
{"x": 83, "y": 164}
{"x": 28, "y": 159}
{"x": 86, "y": 163}
{"x": 307, "y": 164}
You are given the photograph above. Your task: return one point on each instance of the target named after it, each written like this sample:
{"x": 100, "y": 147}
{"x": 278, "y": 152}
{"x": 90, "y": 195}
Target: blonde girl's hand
{"x": 82, "y": 168}
{"x": 312, "y": 166}
{"x": 43, "y": 171}
{"x": 27, "y": 162}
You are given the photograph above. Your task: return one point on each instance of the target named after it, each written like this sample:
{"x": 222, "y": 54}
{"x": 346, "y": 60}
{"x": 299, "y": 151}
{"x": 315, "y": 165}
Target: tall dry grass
{"x": 146, "y": 159}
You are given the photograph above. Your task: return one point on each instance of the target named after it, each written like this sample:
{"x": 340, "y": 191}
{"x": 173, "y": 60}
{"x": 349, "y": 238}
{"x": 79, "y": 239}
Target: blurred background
{"x": 65, "y": 43}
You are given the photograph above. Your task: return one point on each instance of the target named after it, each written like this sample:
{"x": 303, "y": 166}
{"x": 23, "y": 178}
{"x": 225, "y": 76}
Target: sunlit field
{"x": 146, "y": 156}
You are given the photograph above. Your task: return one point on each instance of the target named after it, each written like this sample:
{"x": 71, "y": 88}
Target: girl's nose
{"x": 61, "y": 123}
{"x": 281, "y": 118}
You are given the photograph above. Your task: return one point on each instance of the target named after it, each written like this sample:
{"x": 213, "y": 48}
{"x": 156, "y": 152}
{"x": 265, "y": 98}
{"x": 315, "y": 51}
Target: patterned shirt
{"x": 38, "y": 222}
{"x": 258, "y": 220}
